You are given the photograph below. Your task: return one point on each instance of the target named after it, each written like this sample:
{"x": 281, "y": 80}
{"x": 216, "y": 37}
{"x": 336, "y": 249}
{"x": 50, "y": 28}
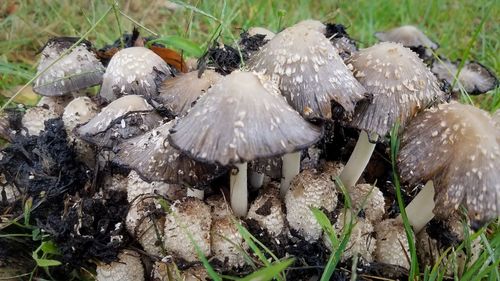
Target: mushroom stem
{"x": 419, "y": 211}
{"x": 256, "y": 179}
{"x": 197, "y": 193}
{"x": 290, "y": 168}
{"x": 358, "y": 160}
{"x": 239, "y": 193}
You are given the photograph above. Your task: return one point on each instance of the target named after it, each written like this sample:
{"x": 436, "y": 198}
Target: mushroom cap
{"x": 496, "y": 118}
{"x": 134, "y": 71}
{"x": 228, "y": 245}
{"x": 77, "y": 70}
{"x": 124, "y": 118}
{"x": 136, "y": 187}
{"x": 127, "y": 268}
{"x": 308, "y": 70}
{"x": 55, "y": 103}
{"x": 408, "y": 35}
{"x": 34, "y": 119}
{"x": 392, "y": 243}
{"x": 369, "y": 198}
{"x": 400, "y": 83}
{"x": 155, "y": 159}
{"x": 178, "y": 94}
{"x": 267, "y": 211}
{"x": 457, "y": 147}
{"x": 241, "y": 118}
{"x": 474, "y": 77}
{"x": 78, "y": 111}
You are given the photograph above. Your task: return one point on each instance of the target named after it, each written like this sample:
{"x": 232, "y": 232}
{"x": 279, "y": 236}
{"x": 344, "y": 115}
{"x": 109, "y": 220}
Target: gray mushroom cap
{"x": 134, "y": 71}
{"x": 124, "y": 118}
{"x": 408, "y": 36}
{"x": 474, "y": 77}
{"x": 308, "y": 70}
{"x": 457, "y": 147}
{"x": 78, "y": 70}
{"x": 241, "y": 118}
{"x": 154, "y": 159}
{"x": 400, "y": 83}
{"x": 179, "y": 93}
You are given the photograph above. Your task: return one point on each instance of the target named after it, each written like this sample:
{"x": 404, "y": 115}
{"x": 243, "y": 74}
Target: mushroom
{"x": 401, "y": 86}
{"x": 34, "y": 119}
{"x": 77, "y": 70}
{"x": 455, "y": 149}
{"x": 308, "y": 70}
{"x": 136, "y": 187}
{"x": 178, "y": 94}
{"x": 337, "y": 34}
{"x": 228, "y": 245}
{"x": 127, "y": 268}
{"x": 267, "y": 211}
{"x": 474, "y": 77}
{"x": 55, "y": 103}
{"x": 122, "y": 119}
{"x": 155, "y": 159}
{"x": 392, "y": 245}
{"x": 254, "y": 38}
{"x": 410, "y": 37}
{"x": 370, "y": 199}
{"x": 241, "y": 118}
{"x": 134, "y": 71}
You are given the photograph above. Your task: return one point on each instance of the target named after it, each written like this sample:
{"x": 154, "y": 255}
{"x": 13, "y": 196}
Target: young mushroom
{"x": 401, "y": 86}
{"x": 241, "y": 118}
{"x": 77, "y": 70}
{"x": 128, "y": 267}
{"x": 455, "y": 148}
{"x": 134, "y": 71}
{"x": 34, "y": 119}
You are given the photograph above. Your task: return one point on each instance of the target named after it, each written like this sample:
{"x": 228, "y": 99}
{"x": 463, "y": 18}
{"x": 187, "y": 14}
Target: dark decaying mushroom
{"x": 77, "y": 70}
{"x": 410, "y": 37}
{"x": 179, "y": 93}
{"x": 152, "y": 157}
{"x": 401, "y": 86}
{"x": 241, "y": 118}
{"x": 122, "y": 119}
{"x": 309, "y": 71}
{"x": 457, "y": 147}
{"x": 474, "y": 77}
{"x": 134, "y": 71}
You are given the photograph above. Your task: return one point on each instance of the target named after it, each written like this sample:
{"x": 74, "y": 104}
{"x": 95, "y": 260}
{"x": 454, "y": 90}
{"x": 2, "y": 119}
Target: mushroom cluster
{"x": 178, "y": 146}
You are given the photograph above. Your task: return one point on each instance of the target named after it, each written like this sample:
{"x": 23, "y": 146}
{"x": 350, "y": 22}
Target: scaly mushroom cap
{"x": 122, "y": 119}
{"x": 457, "y": 147}
{"x": 400, "y": 83}
{"x": 242, "y": 118}
{"x": 496, "y": 118}
{"x": 408, "y": 36}
{"x": 191, "y": 216}
{"x": 308, "y": 70}
{"x": 228, "y": 246}
{"x": 136, "y": 187}
{"x": 267, "y": 211}
{"x": 178, "y": 94}
{"x": 77, "y": 70}
{"x": 156, "y": 160}
{"x": 134, "y": 71}
{"x": 34, "y": 119}
{"x": 474, "y": 77}
{"x": 392, "y": 243}
{"x": 127, "y": 268}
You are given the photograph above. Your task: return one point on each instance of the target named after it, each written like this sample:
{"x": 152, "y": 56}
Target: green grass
{"x": 468, "y": 30}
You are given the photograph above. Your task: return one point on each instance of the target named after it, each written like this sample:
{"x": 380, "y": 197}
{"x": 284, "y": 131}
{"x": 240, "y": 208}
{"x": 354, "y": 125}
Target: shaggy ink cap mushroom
{"x": 340, "y": 39}
{"x": 128, "y": 267}
{"x": 122, "y": 119}
{"x": 410, "y": 37}
{"x": 401, "y": 86}
{"x": 134, "y": 71}
{"x": 154, "y": 159}
{"x": 457, "y": 147}
{"x": 179, "y": 93}
{"x": 241, "y": 118}
{"x": 474, "y": 77}
{"x": 392, "y": 243}
{"x": 77, "y": 70}
{"x": 308, "y": 70}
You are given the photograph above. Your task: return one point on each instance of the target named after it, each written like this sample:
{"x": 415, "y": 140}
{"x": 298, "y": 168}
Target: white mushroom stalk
{"x": 419, "y": 211}
{"x": 196, "y": 193}
{"x": 359, "y": 159}
{"x": 238, "y": 187}
{"x": 290, "y": 168}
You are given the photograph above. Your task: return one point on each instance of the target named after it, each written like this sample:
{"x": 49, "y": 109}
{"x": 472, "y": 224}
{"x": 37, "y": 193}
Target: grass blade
{"x": 268, "y": 273}
{"x": 177, "y": 42}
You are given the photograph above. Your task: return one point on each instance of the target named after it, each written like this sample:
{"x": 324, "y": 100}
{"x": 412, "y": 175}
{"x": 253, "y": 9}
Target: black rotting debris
{"x": 252, "y": 43}
{"x": 223, "y": 58}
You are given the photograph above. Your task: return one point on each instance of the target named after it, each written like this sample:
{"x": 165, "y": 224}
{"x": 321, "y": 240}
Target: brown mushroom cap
{"x": 179, "y": 93}
{"x": 309, "y": 71}
{"x": 124, "y": 118}
{"x": 155, "y": 160}
{"x": 474, "y": 77}
{"x": 457, "y": 147}
{"x": 408, "y": 36}
{"x": 241, "y": 118}
{"x": 77, "y": 70}
{"x": 134, "y": 71}
{"x": 400, "y": 83}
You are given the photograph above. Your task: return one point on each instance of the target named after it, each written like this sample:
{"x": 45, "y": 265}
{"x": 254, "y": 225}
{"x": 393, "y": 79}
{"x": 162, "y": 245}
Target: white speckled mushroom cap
{"x": 34, "y": 119}
{"x": 400, "y": 83}
{"x": 179, "y": 93}
{"x": 77, "y": 70}
{"x": 496, "y": 118}
{"x": 134, "y": 71}
{"x": 408, "y": 35}
{"x": 127, "y": 268}
{"x": 245, "y": 118}
{"x": 267, "y": 211}
{"x": 124, "y": 118}
{"x": 308, "y": 70}
{"x": 156, "y": 160}
{"x": 78, "y": 111}
{"x": 457, "y": 147}
{"x": 369, "y": 198}
{"x": 392, "y": 243}
{"x": 228, "y": 245}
